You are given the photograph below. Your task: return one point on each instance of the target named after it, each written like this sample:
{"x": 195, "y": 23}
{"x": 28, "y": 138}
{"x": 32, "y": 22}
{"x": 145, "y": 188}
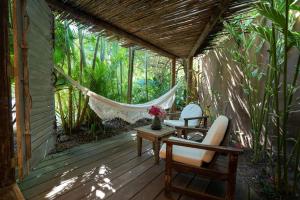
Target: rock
{"x": 64, "y": 138}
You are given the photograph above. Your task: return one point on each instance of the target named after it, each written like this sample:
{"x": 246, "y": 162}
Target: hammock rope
{"x": 108, "y": 109}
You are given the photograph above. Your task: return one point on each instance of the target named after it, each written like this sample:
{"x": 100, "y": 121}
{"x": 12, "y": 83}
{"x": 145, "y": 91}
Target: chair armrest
{"x": 191, "y": 118}
{"x": 220, "y": 149}
{"x": 174, "y": 113}
{"x": 202, "y": 130}
{"x": 186, "y": 120}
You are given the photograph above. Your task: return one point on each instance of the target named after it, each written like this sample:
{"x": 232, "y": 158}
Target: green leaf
{"x": 264, "y": 32}
{"x": 254, "y": 73}
{"x": 271, "y": 13}
{"x": 294, "y": 39}
{"x": 295, "y": 7}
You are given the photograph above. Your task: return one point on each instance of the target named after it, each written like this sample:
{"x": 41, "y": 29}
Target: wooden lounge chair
{"x": 202, "y": 158}
{"x": 191, "y": 116}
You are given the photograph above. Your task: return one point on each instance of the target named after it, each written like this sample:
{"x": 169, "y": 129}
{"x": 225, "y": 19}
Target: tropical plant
{"x": 277, "y": 32}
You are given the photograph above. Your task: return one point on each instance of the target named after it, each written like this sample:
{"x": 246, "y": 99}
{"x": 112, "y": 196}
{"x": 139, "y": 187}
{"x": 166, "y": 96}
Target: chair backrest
{"x": 191, "y": 110}
{"x": 216, "y": 135}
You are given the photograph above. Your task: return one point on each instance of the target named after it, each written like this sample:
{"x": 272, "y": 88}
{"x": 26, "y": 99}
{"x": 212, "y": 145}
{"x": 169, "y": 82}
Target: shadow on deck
{"x": 109, "y": 169}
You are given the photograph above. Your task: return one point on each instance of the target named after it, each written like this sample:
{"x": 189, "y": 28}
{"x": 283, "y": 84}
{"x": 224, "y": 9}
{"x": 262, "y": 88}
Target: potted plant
{"x": 157, "y": 112}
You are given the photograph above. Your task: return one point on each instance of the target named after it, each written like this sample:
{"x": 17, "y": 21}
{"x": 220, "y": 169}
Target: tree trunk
{"x": 81, "y": 66}
{"x": 86, "y": 101}
{"x": 130, "y": 74}
{"x": 102, "y": 51}
{"x": 146, "y": 77}
{"x": 61, "y": 112}
{"x": 70, "y": 99}
{"x": 121, "y": 79}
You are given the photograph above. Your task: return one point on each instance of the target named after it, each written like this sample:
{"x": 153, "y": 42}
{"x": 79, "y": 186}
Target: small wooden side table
{"x": 155, "y": 136}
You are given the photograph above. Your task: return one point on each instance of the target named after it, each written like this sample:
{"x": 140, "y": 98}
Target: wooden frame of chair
{"x": 185, "y": 129}
{"x": 206, "y": 169}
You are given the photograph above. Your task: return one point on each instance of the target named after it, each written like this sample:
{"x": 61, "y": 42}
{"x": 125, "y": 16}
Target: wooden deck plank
{"x": 109, "y": 169}
{"x": 86, "y": 146}
{"x": 58, "y": 169}
{"x": 111, "y": 160}
{"x": 104, "y": 186}
{"x": 178, "y": 179}
{"x": 55, "y": 177}
{"x": 129, "y": 190}
{"x": 80, "y": 151}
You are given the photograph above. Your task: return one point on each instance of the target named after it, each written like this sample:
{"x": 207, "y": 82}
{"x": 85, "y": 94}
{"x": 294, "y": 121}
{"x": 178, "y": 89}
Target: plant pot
{"x": 156, "y": 124}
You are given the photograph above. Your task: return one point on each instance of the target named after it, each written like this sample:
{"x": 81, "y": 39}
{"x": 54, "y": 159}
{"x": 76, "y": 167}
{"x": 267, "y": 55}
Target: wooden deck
{"x": 108, "y": 169}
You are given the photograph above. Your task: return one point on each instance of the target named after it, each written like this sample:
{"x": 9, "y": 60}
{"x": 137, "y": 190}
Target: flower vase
{"x": 156, "y": 124}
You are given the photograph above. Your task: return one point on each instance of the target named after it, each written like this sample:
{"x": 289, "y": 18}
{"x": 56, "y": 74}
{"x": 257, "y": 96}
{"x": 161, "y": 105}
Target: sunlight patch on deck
{"x": 64, "y": 185}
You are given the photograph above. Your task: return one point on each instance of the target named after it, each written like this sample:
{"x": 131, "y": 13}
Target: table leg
{"x": 139, "y": 145}
{"x": 156, "y": 150}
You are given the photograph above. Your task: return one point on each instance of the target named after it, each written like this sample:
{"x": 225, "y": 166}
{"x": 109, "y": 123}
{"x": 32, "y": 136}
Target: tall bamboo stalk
{"x": 130, "y": 74}
{"x": 61, "y": 112}
{"x": 146, "y": 77}
{"x": 86, "y": 101}
{"x": 81, "y": 66}
{"x": 70, "y": 95}
{"x": 285, "y": 97}
{"x": 121, "y": 78}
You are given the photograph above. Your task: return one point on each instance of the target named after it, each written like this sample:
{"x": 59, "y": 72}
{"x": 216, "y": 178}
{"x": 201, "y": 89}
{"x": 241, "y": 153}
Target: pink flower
{"x": 157, "y": 111}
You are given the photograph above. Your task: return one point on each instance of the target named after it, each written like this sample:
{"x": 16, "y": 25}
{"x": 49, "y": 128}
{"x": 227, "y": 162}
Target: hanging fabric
{"x": 108, "y": 109}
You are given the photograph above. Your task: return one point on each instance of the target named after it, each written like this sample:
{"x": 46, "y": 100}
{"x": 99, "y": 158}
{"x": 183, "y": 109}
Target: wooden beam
{"x": 96, "y": 20}
{"x": 8, "y": 187}
{"x": 173, "y": 72}
{"x": 7, "y": 171}
{"x": 209, "y": 26}
{"x": 189, "y": 80}
{"x": 19, "y": 83}
{"x": 173, "y": 83}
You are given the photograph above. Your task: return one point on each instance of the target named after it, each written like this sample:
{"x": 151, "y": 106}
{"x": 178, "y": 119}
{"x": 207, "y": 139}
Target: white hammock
{"x": 107, "y": 109}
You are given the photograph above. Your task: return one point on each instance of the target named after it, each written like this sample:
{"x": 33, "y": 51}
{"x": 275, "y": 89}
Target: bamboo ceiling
{"x": 173, "y": 28}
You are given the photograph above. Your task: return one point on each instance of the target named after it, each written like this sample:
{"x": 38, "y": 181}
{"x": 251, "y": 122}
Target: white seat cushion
{"x": 174, "y": 123}
{"x": 187, "y": 155}
{"x": 194, "y": 156}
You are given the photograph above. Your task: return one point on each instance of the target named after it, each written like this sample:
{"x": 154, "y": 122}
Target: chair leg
{"x": 168, "y": 170}
{"x": 233, "y": 159}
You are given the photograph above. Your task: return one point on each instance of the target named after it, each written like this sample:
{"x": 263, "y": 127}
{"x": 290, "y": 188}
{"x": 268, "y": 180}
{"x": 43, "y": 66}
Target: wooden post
{"x": 173, "y": 73}
{"x": 173, "y": 81}
{"x": 130, "y": 74}
{"x": 8, "y": 187}
{"x": 189, "y": 79}
{"x": 6, "y": 133}
{"x": 19, "y": 83}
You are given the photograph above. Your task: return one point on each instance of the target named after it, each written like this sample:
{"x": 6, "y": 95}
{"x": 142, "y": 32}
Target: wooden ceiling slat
{"x": 85, "y": 17}
{"x": 168, "y": 27}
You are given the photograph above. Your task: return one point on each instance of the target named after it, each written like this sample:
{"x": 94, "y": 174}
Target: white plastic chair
{"x": 190, "y": 117}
